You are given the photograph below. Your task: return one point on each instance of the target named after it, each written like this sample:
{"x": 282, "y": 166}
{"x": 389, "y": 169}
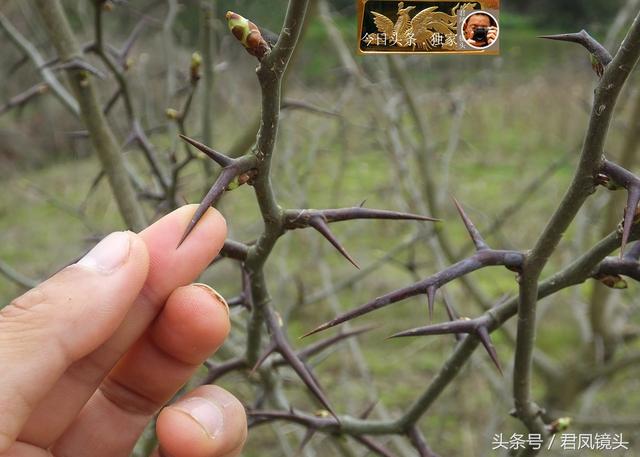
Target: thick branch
{"x": 575, "y": 273}
{"x": 606, "y": 95}
{"x": 102, "y": 137}
{"x": 270, "y": 72}
{"x": 481, "y": 259}
{"x": 484, "y": 257}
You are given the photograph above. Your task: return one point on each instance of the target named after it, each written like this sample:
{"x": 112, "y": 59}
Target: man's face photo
{"x": 480, "y": 30}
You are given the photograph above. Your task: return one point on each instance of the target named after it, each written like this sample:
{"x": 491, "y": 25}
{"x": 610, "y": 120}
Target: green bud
{"x": 620, "y": 284}
{"x": 613, "y": 281}
{"x": 196, "y": 59}
{"x": 83, "y": 78}
{"x": 233, "y": 185}
{"x": 247, "y": 33}
{"x": 563, "y": 423}
{"x": 196, "y": 63}
{"x": 172, "y": 114}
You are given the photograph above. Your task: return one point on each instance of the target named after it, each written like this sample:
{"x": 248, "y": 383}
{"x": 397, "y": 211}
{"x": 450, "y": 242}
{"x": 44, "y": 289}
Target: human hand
{"x": 89, "y": 356}
{"x": 492, "y": 34}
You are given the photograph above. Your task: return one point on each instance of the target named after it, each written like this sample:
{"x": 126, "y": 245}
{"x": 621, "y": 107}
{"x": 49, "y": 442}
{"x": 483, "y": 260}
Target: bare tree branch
{"x": 102, "y": 137}
{"x": 50, "y": 79}
{"x": 581, "y": 187}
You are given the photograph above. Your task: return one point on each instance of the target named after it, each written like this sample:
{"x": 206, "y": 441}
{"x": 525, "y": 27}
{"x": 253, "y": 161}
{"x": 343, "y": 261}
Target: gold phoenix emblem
{"x": 429, "y": 29}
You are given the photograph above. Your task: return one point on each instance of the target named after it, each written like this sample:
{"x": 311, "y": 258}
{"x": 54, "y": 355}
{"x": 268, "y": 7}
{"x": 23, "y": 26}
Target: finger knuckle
{"x": 26, "y": 305}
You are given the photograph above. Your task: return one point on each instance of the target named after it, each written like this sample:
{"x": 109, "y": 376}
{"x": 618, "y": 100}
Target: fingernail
{"x": 215, "y": 294}
{"x": 205, "y": 412}
{"x": 108, "y": 254}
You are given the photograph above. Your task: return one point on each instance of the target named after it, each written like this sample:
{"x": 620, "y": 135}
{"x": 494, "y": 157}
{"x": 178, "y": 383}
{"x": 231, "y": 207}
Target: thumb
{"x": 208, "y": 422}
{"x": 62, "y": 320}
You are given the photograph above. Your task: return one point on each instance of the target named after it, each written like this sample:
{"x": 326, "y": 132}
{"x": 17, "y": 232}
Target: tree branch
{"x": 102, "y": 137}
{"x": 50, "y": 79}
{"x": 582, "y": 185}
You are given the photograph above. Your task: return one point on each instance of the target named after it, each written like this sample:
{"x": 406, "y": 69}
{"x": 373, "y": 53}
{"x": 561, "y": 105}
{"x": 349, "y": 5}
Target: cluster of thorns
{"x": 246, "y": 169}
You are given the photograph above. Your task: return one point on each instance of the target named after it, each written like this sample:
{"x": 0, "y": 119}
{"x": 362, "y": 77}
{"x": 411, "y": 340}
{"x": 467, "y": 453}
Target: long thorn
{"x": 431, "y": 299}
{"x": 359, "y": 212}
{"x": 369, "y": 409}
{"x": 477, "y": 239}
{"x": 214, "y": 194}
{"x": 331, "y": 341}
{"x": 380, "y": 302}
{"x": 308, "y": 379}
{"x": 445, "y": 328}
{"x": 453, "y": 315}
{"x": 485, "y": 339}
{"x": 321, "y": 226}
{"x": 303, "y": 371}
{"x": 270, "y": 350}
{"x": 216, "y": 156}
{"x": 308, "y": 435}
{"x": 587, "y": 41}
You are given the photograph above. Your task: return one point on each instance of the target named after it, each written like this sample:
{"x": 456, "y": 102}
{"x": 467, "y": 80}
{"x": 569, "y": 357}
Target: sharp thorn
{"x": 477, "y": 239}
{"x": 368, "y": 410}
{"x": 331, "y": 341}
{"x": 216, "y": 156}
{"x": 358, "y": 212}
{"x": 379, "y": 302}
{"x": 450, "y": 311}
{"x": 431, "y": 299}
{"x": 309, "y": 380}
{"x": 303, "y": 371}
{"x": 485, "y": 339}
{"x": 446, "y": 328}
{"x": 453, "y": 315}
{"x": 571, "y": 37}
{"x": 305, "y": 440}
{"x": 321, "y": 226}
{"x": 270, "y": 350}
{"x": 587, "y": 41}
{"x": 188, "y": 230}
{"x": 210, "y": 199}
{"x": 317, "y": 330}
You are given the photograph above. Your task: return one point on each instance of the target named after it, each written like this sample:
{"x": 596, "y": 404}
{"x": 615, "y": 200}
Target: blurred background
{"x": 504, "y": 134}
